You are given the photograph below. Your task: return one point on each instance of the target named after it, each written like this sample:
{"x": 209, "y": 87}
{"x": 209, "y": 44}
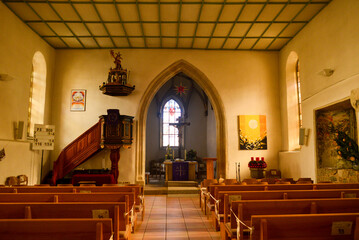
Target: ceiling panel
{"x": 66, "y": 11}
{"x": 44, "y": 10}
{"x": 189, "y": 24}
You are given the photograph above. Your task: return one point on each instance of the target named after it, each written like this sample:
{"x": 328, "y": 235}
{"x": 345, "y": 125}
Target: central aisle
{"x": 174, "y": 217}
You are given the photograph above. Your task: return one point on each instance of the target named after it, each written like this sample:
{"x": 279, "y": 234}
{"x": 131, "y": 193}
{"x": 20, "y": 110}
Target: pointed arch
{"x": 201, "y": 79}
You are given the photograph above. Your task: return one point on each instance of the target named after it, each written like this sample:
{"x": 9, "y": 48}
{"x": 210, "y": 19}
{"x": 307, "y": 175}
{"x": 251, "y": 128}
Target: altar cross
{"x": 180, "y": 126}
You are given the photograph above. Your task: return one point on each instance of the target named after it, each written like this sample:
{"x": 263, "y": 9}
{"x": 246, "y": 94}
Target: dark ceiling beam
{"x": 62, "y": 20}
{"x": 215, "y": 24}
{"x": 82, "y": 21}
{"x": 122, "y": 23}
{"x": 179, "y": 22}
{"x": 149, "y": 36}
{"x": 234, "y": 24}
{"x": 194, "y": 22}
{"x": 38, "y": 15}
{"x": 198, "y": 18}
{"x": 159, "y": 20}
{"x": 269, "y": 25}
{"x": 103, "y": 24}
{"x": 250, "y": 27}
{"x": 139, "y": 17}
{"x": 170, "y": 2}
{"x": 299, "y": 12}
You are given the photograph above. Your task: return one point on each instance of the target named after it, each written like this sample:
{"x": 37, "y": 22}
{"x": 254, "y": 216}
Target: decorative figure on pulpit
{"x": 180, "y": 126}
{"x": 117, "y": 57}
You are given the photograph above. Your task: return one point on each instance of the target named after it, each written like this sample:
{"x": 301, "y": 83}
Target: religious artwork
{"x": 252, "y": 132}
{"x": 117, "y": 79}
{"x": 332, "y": 122}
{"x": 180, "y": 89}
{"x": 78, "y": 100}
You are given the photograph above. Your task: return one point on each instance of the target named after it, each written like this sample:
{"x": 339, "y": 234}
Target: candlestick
{"x": 185, "y": 157}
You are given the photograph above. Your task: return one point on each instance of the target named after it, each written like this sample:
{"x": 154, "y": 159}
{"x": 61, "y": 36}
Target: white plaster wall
{"x": 18, "y": 45}
{"x": 246, "y": 81}
{"x": 330, "y": 40}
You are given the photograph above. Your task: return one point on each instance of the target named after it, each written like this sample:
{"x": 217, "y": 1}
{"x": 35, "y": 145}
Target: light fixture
{"x": 327, "y": 72}
{"x": 5, "y": 77}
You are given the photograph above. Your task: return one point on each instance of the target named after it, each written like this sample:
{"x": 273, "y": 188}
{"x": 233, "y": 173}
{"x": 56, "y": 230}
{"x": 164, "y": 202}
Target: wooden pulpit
{"x": 210, "y": 167}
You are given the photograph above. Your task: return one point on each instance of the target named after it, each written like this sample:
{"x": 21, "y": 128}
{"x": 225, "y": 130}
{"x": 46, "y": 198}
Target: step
{"x": 181, "y": 183}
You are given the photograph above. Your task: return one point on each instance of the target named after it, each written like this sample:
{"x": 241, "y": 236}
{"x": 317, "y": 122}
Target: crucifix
{"x": 180, "y": 126}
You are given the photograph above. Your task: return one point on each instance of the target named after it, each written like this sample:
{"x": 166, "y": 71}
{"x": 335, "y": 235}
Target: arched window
{"x": 171, "y": 111}
{"x": 299, "y": 94}
{"x": 37, "y": 93}
{"x": 294, "y": 103}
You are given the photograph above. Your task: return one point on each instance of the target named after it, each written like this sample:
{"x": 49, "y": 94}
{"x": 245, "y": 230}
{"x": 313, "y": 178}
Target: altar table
{"x": 191, "y": 170}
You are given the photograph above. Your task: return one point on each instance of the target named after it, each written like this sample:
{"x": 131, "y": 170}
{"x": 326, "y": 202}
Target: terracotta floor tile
{"x": 174, "y": 218}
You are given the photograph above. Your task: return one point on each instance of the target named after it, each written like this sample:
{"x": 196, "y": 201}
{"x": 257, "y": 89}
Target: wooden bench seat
{"x": 127, "y": 197}
{"x": 137, "y": 189}
{"x": 245, "y": 209}
{"x": 115, "y": 211}
{"x": 55, "y": 229}
{"x": 218, "y": 214}
{"x": 333, "y": 226}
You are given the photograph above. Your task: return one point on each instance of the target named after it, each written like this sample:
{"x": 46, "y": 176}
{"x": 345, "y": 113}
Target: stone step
{"x": 181, "y": 183}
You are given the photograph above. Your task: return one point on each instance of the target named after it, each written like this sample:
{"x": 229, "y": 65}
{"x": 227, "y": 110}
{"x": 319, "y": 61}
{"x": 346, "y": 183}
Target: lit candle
{"x": 185, "y": 157}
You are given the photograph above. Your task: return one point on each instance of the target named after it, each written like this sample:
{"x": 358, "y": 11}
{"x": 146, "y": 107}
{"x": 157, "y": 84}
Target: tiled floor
{"x": 174, "y": 217}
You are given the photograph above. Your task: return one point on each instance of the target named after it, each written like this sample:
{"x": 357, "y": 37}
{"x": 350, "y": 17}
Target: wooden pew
{"x": 55, "y": 229}
{"x": 115, "y": 211}
{"x": 74, "y": 197}
{"x": 245, "y": 209}
{"x": 218, "y": 214}
{"x": 305, "y": 226}
{"x": 137, "y": 189}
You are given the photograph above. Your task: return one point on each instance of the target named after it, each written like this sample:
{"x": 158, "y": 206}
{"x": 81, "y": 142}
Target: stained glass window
{"x": 171, "y": 112}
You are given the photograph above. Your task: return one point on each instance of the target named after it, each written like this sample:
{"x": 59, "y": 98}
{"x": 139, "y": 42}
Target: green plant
{"x": 191, "y": 155}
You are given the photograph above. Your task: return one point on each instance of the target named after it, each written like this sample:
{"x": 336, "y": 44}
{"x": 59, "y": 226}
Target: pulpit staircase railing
{"x": 77, "y": 152}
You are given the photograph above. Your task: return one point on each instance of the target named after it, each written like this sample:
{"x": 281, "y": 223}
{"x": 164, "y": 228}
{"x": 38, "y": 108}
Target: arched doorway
{"x": 201, "y": 79}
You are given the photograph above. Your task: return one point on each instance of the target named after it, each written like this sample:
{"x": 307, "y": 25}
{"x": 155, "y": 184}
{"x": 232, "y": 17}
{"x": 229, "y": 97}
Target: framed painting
{"x": 78, "y": 100}
{"x": 252, "y": 132}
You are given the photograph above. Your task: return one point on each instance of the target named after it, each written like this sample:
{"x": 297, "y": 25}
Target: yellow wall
{"x": 330, "y": 40}
{"x": 246, "y": 81}
{"x": 18, "y": 45}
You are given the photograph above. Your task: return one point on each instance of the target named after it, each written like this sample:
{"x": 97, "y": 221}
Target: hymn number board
{"x": 44, "y": 137}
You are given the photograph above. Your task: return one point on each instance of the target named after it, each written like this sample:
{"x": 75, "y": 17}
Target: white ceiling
{"x": 182, "y": 24}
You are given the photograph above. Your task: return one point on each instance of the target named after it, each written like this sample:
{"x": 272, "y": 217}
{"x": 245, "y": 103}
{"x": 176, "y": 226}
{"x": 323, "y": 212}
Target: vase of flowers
{"x": 257, "y": 167}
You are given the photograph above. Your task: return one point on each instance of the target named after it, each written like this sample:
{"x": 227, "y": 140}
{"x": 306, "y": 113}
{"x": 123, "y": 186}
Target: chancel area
{"x": 179, "y": 119}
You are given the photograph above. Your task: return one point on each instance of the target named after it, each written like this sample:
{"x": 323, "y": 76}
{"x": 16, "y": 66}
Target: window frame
{"x": 181, "y": 106}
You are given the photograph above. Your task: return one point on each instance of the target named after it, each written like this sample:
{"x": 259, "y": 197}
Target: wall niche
{"x": 330, "y": 166}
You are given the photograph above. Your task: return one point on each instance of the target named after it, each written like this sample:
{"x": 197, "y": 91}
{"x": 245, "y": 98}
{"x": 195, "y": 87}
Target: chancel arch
{"x": 199, "y": 78}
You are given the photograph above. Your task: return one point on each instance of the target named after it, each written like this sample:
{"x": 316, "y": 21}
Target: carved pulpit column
{"x": 117, "y": 133}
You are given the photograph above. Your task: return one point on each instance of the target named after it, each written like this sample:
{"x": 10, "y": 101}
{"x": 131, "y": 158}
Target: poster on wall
{"x": 252, "y": 131}
{"x": 78, "y": 100}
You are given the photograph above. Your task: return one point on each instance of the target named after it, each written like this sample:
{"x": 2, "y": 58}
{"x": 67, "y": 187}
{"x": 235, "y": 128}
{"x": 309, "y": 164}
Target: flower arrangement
{"x": 347, "y": 147}
{"x": 191, "y": 155}
{"x": 169, "y": 153}
{"x": 258, "y": 163}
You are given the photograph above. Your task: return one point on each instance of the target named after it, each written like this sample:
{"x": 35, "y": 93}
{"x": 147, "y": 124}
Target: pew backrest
{"x": 55, "y": 229}
{"x": 343, "y": 226}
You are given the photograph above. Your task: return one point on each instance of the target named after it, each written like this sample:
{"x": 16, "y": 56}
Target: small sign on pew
{"x": 100, "y": 213}
{"x": 342, "y": 228}
{"x": 234, "y": 198}
{"x": 350, "y": 195}
{"x": 44, "y": 137}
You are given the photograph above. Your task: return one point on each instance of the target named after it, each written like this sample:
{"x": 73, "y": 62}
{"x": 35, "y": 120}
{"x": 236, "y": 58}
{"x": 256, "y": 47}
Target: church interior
{"x": 142, "y": 95}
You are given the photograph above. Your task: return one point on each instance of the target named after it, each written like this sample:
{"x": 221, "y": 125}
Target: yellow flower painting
{"x": 252, "y": 132}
